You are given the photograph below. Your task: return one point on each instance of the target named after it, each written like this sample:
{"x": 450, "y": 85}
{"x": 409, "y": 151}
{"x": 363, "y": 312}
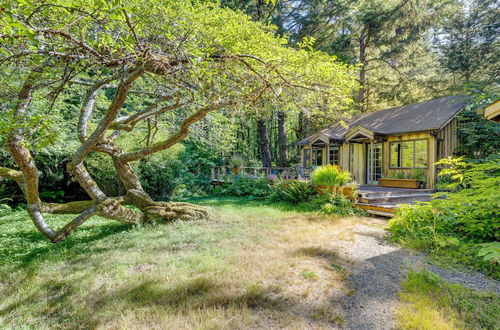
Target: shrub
{"x": 338, "y": 204}
{"x": 330, "y": 175}
{"x": 292, "y": 191}
{"x": 252, "y": 188}
{"x": 455, "y": 224}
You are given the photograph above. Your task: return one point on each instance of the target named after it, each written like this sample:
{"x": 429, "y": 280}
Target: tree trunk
{"x": 362, "y": 72}
{"x": 304, "y": 126}
{"x": 282, "y": 142}
{"x": 265, "y": 152}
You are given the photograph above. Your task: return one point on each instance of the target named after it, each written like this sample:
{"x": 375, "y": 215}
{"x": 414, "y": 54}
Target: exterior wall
{"x": 344, "y": 156}
{"x": 448, "y": 139}
{"x": 358, "y": 162}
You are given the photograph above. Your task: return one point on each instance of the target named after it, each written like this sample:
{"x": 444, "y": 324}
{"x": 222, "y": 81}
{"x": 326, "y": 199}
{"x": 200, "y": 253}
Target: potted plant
{"x": 236, "y": 164}
{"x": 419, "y": 174}
{"x": 331, "y": 178}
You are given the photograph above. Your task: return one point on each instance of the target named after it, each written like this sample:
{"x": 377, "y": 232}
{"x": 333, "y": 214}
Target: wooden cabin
{"x": 402, "y": 141}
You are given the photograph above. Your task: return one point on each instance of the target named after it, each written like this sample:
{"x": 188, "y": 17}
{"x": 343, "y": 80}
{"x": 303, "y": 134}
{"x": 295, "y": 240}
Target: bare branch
{"x": 88, "y": 106}
{"x": 108, "y": 119}
{"x": 177, "y": 137}
{"x": 132, "y": 29}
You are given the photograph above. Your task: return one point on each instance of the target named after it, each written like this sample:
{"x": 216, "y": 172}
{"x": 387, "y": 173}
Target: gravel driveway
{"x": 376, "y": 260}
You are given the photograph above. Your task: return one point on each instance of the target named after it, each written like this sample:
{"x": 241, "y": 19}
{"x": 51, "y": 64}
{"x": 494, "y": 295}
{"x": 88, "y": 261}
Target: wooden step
{"x": 400, "y": 199}
{"x": 394, "y": 193}
{"x": 388, "y": 208}
{"x": 380, "y": 213}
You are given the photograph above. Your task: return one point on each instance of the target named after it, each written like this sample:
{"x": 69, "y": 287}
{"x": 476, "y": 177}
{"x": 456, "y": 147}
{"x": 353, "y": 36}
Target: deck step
{"x": 396, "y": 199}
{"x": 394, "y": 193}
{"x": 387, "y": 208}
{"x": 380, "y": 213}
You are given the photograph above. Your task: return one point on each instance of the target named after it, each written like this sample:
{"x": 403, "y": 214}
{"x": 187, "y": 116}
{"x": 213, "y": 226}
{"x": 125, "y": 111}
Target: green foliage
{"x": 293, "y": 191}
{"x": 479, "y": 137}
{"x": 490, "y": 252}
{"x": 52, "y": 196}
{"x": 431, "y": 302}
{"x": 236, "y": 161}
{"x": 465, "y": 217}
{"x": 251, "y": 188}
{"x": 340, "y": 205}
{"x": 330, "y": 175}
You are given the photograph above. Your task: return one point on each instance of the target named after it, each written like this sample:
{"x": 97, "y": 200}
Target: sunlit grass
{"x": 240, "y": 269}
{"x": 431, "y": 303}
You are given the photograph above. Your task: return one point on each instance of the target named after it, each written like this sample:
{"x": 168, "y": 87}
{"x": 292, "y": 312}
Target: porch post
{"x": 311, "y": 156}
{"x": 371, "y": 162}
{"x": 327, "y": 156}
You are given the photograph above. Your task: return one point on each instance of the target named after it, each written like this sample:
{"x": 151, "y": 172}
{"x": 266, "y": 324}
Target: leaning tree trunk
{"x": 265, "y": 152}
{"x": 100, "y": 204}
{"x": 282, "y": 140}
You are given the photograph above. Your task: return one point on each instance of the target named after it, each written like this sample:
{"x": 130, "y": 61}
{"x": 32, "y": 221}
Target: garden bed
{"x": 399, "y": 183}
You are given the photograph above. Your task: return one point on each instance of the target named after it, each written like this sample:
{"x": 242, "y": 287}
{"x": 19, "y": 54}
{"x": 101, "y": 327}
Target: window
{"x": 421, "y": 153}
{"x": 409, "y": 154}
{"x": 306, "y": 162}
{"x": 317, "y": 157}
{"x": 334, "y": 157}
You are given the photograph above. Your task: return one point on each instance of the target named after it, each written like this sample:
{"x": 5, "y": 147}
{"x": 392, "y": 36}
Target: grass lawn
{"x": 251, "y": 265}
{"x": 430, "y": 303}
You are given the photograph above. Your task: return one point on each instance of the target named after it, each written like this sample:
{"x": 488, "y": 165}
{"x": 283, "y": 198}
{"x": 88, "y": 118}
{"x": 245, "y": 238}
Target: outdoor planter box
{"x": 346, "y": 191}
{"x": 399, "y": 183}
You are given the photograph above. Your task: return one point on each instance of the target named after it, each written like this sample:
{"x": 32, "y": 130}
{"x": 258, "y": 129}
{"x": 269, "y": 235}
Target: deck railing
{"x": 221, "y": 174}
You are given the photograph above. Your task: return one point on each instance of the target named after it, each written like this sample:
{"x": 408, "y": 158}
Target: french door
{"x": 374, "y": 161}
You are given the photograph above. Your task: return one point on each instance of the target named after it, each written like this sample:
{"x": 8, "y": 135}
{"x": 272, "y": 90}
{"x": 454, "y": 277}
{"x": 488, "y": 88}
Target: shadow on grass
{"x": 16, "y": 253}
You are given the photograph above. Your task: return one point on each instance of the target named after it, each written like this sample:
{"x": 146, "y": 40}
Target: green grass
{"x": 226, "y": 272}
{"x": 432, "y": 303}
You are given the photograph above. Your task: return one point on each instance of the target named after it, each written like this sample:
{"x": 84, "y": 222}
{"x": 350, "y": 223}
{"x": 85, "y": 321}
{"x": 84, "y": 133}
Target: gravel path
{"x": 378, "y": 269}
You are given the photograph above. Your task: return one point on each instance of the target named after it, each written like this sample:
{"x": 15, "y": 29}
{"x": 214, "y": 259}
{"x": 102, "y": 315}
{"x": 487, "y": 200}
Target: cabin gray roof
{"x": 424, "y": 116}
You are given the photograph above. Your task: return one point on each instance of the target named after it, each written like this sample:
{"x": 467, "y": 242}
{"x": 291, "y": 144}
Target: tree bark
{"x": 304, "y": 126}
{"x": 362, "y": 72}
{"x": 282, "y": 140}
{"x": 265, "y": 152}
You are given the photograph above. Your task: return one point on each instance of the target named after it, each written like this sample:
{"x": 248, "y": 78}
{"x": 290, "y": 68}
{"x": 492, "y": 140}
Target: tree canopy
{"x": 150, "y": 59}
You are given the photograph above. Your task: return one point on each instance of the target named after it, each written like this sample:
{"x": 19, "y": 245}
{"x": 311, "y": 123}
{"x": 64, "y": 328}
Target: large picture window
{"x": 334, "y": 156}
{"x": 409, "y": 154}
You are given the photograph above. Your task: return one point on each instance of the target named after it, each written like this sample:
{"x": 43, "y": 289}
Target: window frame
{"x": 333, "y": 148}
{"x": 414, "y": 154}
{"x": 314, "y": 156}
